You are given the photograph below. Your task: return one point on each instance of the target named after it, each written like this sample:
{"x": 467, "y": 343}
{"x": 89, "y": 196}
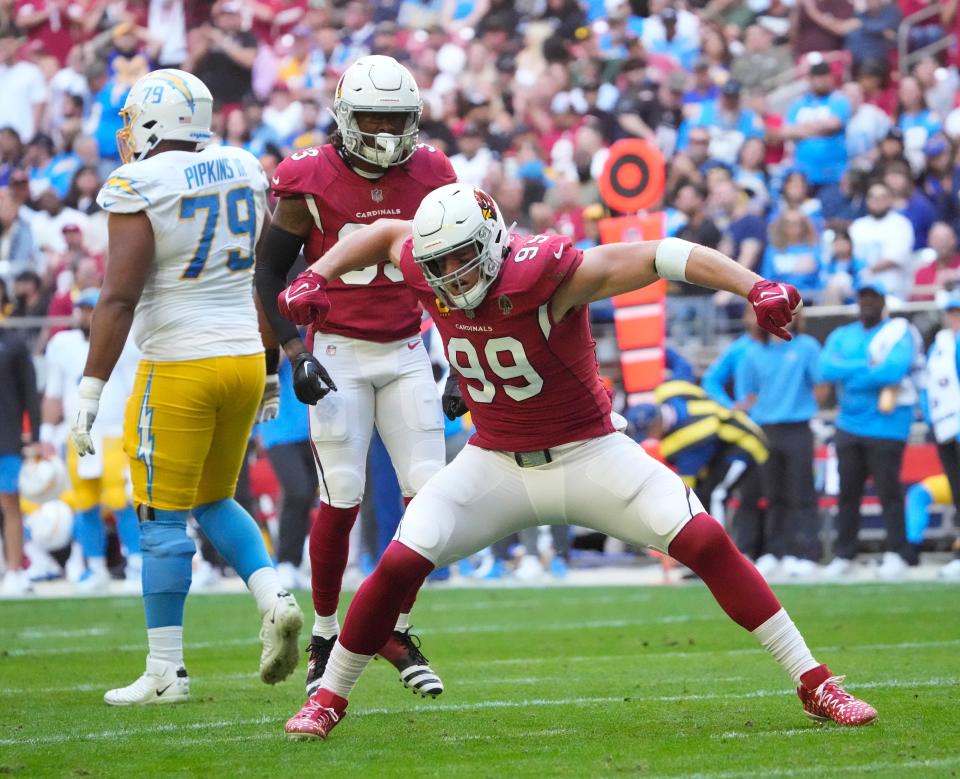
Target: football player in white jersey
{"x": 184, "y": 222}
{"x": 97, "y": 481}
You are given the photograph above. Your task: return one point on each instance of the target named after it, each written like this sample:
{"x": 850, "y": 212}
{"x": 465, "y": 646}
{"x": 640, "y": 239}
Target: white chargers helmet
{"x": 454, "y": 218}
{"x": 165, "y": 105}
{"x": 378, "y": 84}
{"x": 42, "y": 480}
{"x": 50, "y": 527}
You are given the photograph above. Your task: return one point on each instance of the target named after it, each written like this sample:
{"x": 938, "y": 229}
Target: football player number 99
{"x": 369, "y": 273}
{"x": 519, "y": 368}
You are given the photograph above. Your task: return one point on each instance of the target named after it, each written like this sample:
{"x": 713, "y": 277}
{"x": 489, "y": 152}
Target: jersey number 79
{"x": 241, "y": 220}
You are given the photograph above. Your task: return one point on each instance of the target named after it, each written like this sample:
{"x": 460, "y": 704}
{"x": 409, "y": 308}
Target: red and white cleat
{"x": 830, "y": 702}
{"x": 319, "y": 715}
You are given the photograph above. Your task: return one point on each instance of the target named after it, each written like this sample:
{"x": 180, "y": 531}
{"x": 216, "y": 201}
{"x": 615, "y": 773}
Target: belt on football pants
{"x": 532, "y": 459}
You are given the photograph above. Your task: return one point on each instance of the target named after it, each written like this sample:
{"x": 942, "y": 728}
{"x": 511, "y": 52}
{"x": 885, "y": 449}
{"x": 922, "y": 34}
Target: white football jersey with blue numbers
{"x": 207, "y": 211}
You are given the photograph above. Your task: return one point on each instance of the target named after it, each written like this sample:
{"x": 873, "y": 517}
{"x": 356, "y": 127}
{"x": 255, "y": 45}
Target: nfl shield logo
{"x": 331, "y": 350}
{"x": 377, "y": 195}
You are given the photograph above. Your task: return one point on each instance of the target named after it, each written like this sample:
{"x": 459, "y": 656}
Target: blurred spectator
{"x": 719, "y": 378}
{"x": 792, "y": 255}
{"x": 916, "y": 121}
{"x": 817, "y": 123}
{"x": 941, "y": 402}
{"x": 223, "y": 54}
{"x": 761, "y": 62}
{"x": 728, "y": 123}
{"x": 909, "y": 202}
{"x": 841, "y": 273}
{"x": 872, "y": 32}
{"x": 24, "y": 90}
{"x": 866, "y": 128}
{"x": 79, "y": 272}
{"x": 809, "y": 35}
{"x": 869, "y": 362}
{"x": 49, "y": 170}
{"x": 52, "y": 216}
{"x": 30, "y": 299}
{"x": 775, "y": 384}
{"x": 167, "y": 23}
{"x": 846, "y": 200}
{"x": 646, "y": 109}
{"x": 943, "y": 271}
{"x": 663, "y": 36}
{"x": 883, "y": 243}
{"x": 704, "y": 87}
{"x": 939, "y": 85}
{"x": 942, "y": 181}
{"x": 104, "y": 121}
{"x": 473, "y": 160}
{"x": 19, "y": 403}
{"x": 49, "y": 25}
{"x": 84, "y": 187}
{"x": 796, "y": 195}
{"x": 17, "y": 251}
{"x": 698, "y": 227}
{"x": 873, "y": 76}
{"x": 744, "y": 233}
{"x": 11, "y": 154}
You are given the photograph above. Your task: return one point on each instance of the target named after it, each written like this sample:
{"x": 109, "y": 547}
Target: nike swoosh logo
{"x": 302, "y": 289}
{"x": 108, "y": 203}
{"x": 276, "y": 180}
{"x": 412, "y": 345}
{"x": 767, "y": 295}
{"x": 161, "y": 692}
{"x": 558, "y": 252}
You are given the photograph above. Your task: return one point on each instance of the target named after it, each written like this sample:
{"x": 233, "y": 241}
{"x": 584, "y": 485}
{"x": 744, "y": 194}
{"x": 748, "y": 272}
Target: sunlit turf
{"x": 586, "y": 682}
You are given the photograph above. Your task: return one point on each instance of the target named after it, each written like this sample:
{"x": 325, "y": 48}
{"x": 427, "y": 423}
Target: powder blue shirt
{"x": 291, "y": 425}
{"x": 845, "y": 362}
{"x": 723, "y": 371}
{"x": 822, "y": 158}
{"x": 782, "y": 374}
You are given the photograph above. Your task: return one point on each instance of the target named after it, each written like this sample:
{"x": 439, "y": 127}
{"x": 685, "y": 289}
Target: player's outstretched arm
{"x": 305, "y": 301}
{"x": 616, "y": 268}
{"x": 129, "y": 258}
{"x": 374, "y": 243}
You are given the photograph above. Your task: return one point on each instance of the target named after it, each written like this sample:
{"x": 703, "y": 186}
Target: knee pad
{"x": 167, "y": 553}
{"x": 343, "y": 485}
{"x": 419, "y": 474}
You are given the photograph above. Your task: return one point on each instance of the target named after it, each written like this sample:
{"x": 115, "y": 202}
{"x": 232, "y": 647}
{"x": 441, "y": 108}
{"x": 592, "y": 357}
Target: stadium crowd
{"x": 797, "y": 142}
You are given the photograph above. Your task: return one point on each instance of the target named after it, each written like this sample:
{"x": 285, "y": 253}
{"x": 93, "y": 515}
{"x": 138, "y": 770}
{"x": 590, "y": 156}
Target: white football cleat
{"x": 951, "y": 570}
{"x": 892, "y": 567}
{"x": 93, "y": 581}
{"x": 163, "y": 682}
{"x": 15, "y": 584}
{"x": 280, "y": 636}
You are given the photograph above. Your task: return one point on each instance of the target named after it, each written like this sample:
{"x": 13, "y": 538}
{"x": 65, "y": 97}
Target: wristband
{"x": 90, "y": 388}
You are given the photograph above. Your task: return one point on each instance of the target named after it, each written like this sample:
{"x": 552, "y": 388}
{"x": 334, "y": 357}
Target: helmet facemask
{"x": 456, "y": 289}
{"x": 381, "y": 149}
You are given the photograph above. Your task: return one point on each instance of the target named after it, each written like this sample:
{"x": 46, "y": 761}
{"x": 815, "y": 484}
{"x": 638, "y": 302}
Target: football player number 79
{"x": 518, "y": 368}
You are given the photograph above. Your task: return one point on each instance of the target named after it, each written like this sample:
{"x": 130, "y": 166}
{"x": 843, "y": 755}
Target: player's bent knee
{"x": 167, "y": 552}
{"x": 419, "y": 474}
{"x": 344, "y": 487}
{"x": 703, "y": 539}
{"x": 402, "y": 564}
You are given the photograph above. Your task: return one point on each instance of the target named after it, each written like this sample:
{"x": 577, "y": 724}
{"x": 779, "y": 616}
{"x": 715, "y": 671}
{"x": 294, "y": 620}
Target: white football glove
{"x": 270, "y": 402}
{"x": 88, "y": 403}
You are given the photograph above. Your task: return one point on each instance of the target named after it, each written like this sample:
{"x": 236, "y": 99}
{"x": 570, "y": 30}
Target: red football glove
{"x": 305, "y": 301}
{"x": 775, "y": 305}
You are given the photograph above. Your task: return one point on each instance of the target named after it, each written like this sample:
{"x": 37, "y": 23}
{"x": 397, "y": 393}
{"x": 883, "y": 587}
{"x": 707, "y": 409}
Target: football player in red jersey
{"x": 370, "y": 342}
{"x": 516, "y": 330}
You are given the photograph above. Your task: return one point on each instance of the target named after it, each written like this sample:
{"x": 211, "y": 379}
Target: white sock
{"x": 97, "y": 564}
{"x": 326, "y": 626}
{"x": 265, "y": 586}
{"x": 343, "y": 670}
{"x": 166, "y": 644}
{"x": 780, "y": 637}
{"x": 403, "y": 622}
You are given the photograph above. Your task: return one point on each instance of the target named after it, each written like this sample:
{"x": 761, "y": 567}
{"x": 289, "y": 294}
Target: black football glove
{"x": 310, "y": 379}
{"x": 452, "y": 401}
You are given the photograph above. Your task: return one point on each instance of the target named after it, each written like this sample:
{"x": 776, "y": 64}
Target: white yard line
{"x": 862, "y": 768}
{"x": 431, "y": 708}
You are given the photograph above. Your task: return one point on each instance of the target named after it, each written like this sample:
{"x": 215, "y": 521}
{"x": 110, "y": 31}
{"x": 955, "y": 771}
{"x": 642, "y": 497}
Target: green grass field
{"x": 587, "y": 682}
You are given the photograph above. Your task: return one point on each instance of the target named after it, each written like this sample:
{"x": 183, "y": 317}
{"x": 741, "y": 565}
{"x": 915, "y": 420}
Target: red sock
{"x": 329, "y": 549}
{"x": 815, "y": 677}
{"x": 706, "y": 549}
{"x": 376, "y": 606}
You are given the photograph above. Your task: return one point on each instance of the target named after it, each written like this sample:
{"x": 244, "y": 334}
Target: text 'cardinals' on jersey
{"x": 530, "y": 382}
{"x": 372, "y": 303}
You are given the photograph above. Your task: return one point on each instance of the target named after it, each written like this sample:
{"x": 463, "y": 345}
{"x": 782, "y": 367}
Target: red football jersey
{"x": 530, "y": 382}
{"x": 371, "y": 304}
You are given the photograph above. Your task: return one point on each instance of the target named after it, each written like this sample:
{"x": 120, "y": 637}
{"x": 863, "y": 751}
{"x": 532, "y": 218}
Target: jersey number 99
{"x": 241, "y": 213}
